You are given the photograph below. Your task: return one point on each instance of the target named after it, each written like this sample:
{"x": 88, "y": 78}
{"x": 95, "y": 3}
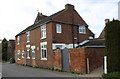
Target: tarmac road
{"x": 13, "y": 70}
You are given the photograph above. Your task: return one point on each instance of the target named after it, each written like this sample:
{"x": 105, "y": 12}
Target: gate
{"x": 65, "y": 59}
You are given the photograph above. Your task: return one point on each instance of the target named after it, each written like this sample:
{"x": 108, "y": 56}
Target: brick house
{"x": 35, "y": 44}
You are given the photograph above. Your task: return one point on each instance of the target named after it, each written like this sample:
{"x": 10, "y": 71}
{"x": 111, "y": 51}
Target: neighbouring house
{"x": 36, "y": 44}
{"x": 11, "y": 50}
{"x": 102, "y": 34}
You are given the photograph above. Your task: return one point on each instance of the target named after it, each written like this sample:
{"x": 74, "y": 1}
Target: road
{"x": 0, "y": 70}
{"x": 13, "y": 70}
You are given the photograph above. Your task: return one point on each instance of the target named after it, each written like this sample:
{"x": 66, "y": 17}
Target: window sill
{"x": 18, "y": 59}
{"x": 28, "y": 57}
{"x": 82, "y": 33}
{"x": 43, "y": 38}
{"x": 28, "y": 41}
{"x": 58, "y": 32}
{"x": 43, "y": 58}
{"x": 33, "y": 58}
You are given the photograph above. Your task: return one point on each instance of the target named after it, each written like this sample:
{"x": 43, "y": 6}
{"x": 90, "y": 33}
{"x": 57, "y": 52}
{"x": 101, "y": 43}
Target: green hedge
{"x": 112, "y": 75}
{"x": 112, "y": 42}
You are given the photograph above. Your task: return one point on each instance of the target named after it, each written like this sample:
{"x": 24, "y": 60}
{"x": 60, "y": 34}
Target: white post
{"x": 88, "y": 68}
{"x": 105, "y": 64}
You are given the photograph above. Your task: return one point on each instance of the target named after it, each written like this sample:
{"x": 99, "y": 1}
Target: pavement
{"x": 95, "y": 73}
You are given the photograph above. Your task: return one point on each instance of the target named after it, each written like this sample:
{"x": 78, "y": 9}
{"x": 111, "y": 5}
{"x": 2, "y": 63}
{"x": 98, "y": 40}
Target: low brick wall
{"x": 95, "y": 55}
{"x": 57, "y": 59}
{"x": 78, "y": 57}
{"x": 77, "y": 60}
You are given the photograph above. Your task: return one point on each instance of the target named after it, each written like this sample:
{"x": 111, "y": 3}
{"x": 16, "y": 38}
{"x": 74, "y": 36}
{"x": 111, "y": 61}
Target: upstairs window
{"x": 18, "y": 40}
{"x": 58, "y": 28}
{"x": 43, "y": 31}
{"x": 18, "y": 55}
{"x": 28, "y": 36}
{"x": 82, "y": 30}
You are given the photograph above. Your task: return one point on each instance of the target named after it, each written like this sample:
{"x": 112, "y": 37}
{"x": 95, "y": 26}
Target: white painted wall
{"x": 63, "y": 45}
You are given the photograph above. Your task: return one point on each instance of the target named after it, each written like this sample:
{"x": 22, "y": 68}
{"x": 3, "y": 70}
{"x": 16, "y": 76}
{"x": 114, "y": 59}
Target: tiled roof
{"x": 47, "y": 19}
{"x": 94, "y": 42}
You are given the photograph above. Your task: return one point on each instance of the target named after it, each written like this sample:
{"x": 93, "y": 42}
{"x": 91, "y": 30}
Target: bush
{"x": 12, "y": 60}
{"x": 112, "y": 75}
{"x": 112, "y": 42}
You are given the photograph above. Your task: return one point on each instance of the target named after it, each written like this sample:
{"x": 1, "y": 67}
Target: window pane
{"x": 58, "y": 28}
{"x": 82, "y": 29}
{"x": 43, "y": 31}
{"x": 33, "y": 54}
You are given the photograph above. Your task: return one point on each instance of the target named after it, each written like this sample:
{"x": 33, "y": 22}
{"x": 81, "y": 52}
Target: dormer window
{"x": 58, "y": 28}
{"x": 28, "y": 36}
{"x": 82, "y": 30}
{"x": 18, "y": 40}
{"x": 43, "y": 31}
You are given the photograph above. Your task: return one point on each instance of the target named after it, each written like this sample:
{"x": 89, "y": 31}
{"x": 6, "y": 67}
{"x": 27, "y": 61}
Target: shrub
{"x": 112, "y": 75}
{"x": 112, "y": 42}
{"x": 12, "y": 60}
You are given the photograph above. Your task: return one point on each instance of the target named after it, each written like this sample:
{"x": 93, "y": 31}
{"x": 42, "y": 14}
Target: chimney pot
{"x": 69, "y": 6}
{"x": 106, "y": 21}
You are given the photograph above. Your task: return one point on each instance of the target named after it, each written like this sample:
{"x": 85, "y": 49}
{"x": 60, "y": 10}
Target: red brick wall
{"x": 57, "y": 59}
{"x": 95, "y": 56}
{"x": 78, "y": 58}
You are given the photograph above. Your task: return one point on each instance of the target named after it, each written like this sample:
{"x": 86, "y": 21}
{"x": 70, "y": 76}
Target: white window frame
{"x": 43, "y": 48}
{"x": 18, "y": 55}
{"x": 28, "y": 54}
{"x": 23, "y": 54}
{"x": 58, "y": 28}
{"x": 82, "y": 29}
{"x": 43, "y": 31}
{"x": 18, "y": 40}
{"x": 33, "y": 51}
{"x": 28, "y": 36}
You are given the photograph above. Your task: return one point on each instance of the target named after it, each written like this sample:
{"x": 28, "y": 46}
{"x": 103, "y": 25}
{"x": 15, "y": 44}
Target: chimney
{"x": 106, "y": 21}
{"x": 69, "y": 6}
{"x": 40, "y": 14}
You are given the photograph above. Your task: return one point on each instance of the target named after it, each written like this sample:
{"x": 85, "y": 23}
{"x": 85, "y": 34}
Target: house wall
{"x": 67, "y": 36}
{"x": 78, "y": 58}
{"x": 70, "y": 16}
{"x": 35, "y": 40}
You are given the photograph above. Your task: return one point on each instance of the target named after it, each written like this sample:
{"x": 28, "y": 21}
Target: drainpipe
{"x": 72, "y": 17}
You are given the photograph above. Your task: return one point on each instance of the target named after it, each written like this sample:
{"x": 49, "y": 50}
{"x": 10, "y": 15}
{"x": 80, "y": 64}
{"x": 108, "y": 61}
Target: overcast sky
{"x": 16, "y": 15}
